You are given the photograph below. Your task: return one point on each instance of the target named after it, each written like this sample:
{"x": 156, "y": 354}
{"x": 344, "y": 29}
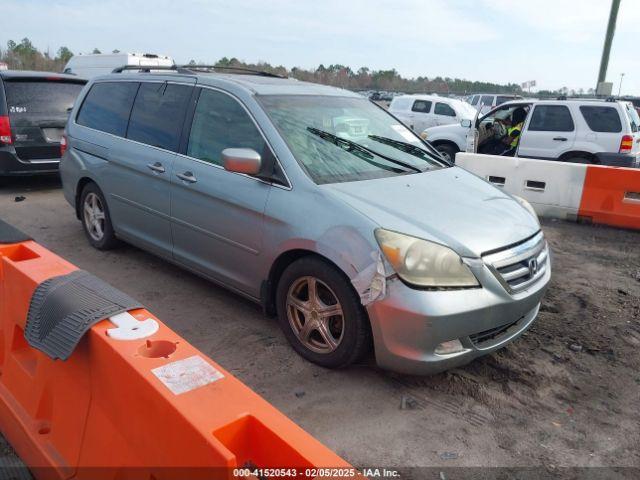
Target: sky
{"x": 557, "y": 43}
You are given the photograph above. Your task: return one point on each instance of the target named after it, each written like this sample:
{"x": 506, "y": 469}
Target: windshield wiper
{"x": 409, "y": 148}
{"x": 356, "y": 147}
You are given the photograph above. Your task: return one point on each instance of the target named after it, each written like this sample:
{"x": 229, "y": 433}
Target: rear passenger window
{"x": 602, "y": 119}
{"x": 500, "y": 99}
{"x": 444, "y": 109}
{"x": 107, "y": 107}
{"x": 220, "y": 122}
{"x": 551, "y": 118}
{"x": 158, "y": 114}
{"x": 422, "y": 106}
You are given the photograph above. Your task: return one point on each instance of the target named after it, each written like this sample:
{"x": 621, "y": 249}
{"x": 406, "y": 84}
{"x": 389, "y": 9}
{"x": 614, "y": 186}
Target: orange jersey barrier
{"x": 150, "y": 408}
{"x": 569, "y": 191}
{"x": 611, "y": 196}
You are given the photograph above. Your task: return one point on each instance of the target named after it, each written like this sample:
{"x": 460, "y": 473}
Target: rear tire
{"x": 448, "y": 152}
{"x": 95, "y": 218}
{"x": 329, "y": 327}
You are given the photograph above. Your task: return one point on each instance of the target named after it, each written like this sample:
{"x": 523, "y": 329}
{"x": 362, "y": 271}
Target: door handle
{"x": 561, "y": 139}
{"x": 187, "y": 177}
{"x": 156, "y": 167}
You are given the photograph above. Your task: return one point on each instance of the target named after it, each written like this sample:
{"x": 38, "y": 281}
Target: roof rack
{"x": 193, "y": 69}
{"x": 241, "y": 70}
{"x": 149, "y": 68}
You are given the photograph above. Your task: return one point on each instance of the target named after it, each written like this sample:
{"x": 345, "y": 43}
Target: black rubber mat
{"x": 10, "y": 234}
{"x": 63, "y": 309}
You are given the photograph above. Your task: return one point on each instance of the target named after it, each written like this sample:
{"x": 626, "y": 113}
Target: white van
{"x": 88, "y": 66}
{"x": 424, "y": 111}
{"x": 483, "y": 102}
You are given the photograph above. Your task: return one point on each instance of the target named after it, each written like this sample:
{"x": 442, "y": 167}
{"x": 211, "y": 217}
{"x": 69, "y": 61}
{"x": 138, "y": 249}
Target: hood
{"x": 449, "y": 206}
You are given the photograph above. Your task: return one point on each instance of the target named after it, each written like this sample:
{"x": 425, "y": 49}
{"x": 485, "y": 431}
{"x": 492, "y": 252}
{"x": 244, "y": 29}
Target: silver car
{"x": 314, "y": 202}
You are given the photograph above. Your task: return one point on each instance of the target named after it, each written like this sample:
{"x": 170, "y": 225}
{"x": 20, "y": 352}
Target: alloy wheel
{"x": 94, "y": 216}
{"x": 315, "y": 314}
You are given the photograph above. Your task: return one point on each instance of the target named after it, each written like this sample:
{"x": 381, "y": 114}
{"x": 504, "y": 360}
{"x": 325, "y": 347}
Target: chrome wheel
{"x": 445, "y": 155}
{"x": 94, "y": 217}
{"x": 315, "y": 315}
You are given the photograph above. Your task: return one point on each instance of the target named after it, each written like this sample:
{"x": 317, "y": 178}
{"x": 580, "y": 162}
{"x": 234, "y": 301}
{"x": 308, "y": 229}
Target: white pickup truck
{"x": 582, "y": 131}
{"x": 419, "y": 112}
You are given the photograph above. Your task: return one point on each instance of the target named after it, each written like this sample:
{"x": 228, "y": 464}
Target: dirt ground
{"x": 565, "y": 395}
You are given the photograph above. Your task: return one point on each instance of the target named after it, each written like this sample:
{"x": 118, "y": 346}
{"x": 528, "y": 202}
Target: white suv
{"x": 423, "y": 111}
{"x": 583, "y": 131}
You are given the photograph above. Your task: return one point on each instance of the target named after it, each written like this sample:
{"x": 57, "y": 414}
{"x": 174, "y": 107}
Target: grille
{"x": 520, "y": 266}
{"x": 482, "y": 337}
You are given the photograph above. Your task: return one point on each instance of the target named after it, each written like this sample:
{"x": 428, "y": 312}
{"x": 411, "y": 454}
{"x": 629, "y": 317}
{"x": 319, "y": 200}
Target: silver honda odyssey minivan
{"x": 314, "y": 202}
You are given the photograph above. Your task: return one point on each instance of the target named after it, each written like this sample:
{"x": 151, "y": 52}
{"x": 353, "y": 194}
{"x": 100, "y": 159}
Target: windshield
{"x": 341, "y": 139}
{"x": 466, "y": 111}
{"x": 633, "y": 117}
{"x": 26, "y": 99}
{"x": 503, "y": 113}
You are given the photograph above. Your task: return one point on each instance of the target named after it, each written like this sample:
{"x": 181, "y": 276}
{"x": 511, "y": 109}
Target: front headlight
{"x": 423, "y": 263}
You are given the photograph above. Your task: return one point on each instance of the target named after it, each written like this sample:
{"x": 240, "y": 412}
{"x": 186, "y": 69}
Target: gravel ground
{"x": 565, "y": 395}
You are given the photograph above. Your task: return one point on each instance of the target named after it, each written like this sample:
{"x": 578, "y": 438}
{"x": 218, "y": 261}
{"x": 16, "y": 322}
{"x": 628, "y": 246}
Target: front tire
{"x": 321, "y": 315}
{"x": 95, "y": 218}
{"x": 448, "y": 152}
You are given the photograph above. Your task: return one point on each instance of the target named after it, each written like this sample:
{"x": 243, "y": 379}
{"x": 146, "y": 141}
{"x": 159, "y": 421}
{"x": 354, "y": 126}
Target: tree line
{"x": 24, "y": 55}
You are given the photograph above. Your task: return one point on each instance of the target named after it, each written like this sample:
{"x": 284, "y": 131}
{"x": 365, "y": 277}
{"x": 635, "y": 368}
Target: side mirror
{"x": 241, "y": 160}
{"x": 465, "y": 122}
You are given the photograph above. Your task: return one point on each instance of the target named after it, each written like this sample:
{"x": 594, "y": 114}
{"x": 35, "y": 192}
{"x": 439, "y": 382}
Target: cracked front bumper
{"x": 409, "y": 324}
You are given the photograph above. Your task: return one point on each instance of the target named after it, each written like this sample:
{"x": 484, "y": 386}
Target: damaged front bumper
{"x": 408, "y": 324}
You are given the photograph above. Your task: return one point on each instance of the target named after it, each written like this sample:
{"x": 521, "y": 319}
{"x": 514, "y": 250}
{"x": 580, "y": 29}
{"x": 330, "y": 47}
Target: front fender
{"x": 355, "y": 255}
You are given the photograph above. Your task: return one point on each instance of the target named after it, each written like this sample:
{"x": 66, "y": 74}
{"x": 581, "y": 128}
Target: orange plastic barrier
{"x": 611, "y": 196}
{"x": 120, "y": 409}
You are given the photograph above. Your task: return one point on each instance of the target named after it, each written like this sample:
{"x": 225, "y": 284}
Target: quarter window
{"x": 602, "y": 119}
{"x": 444, "y": 109}
{"x": 158, "y": 114}
{"x": 107, "y": 107}
{"x": 220, "y": 122}
{"x": 421, "y": 106}
{"x": 551, "y": 118}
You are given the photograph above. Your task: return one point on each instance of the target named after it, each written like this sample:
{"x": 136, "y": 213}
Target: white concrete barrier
{"x": 554, "y": 189}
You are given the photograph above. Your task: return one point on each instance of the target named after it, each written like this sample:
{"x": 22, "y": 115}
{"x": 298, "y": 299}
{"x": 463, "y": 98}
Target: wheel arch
{"x": 279, "y": 265}
{"x": 442, "y": 141}
{"x": 577, "y": 153}
{"x": 83, "y": 182}
{"x": 348, "y": 265}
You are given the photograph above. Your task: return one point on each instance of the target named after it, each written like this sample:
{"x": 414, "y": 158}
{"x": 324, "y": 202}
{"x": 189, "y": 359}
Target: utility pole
{"x": 611, "y": 28}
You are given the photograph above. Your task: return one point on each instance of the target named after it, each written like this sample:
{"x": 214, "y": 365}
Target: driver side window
{"x": 220, "y": 122}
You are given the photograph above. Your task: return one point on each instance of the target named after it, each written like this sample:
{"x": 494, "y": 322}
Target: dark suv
{"x": 34, "y": 107}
